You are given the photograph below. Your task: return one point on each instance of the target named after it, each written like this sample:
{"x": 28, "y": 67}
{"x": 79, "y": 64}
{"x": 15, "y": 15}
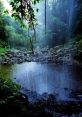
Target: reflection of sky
{"x": 46, "y": 78}
{"x": 50, "y": 3}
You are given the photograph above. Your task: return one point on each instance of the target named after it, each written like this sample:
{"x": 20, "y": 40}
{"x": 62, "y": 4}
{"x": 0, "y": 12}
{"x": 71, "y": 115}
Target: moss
{"x": 2, "y": 50}
{"x": 11, "y": 102}
{"x": 7, "y": 88}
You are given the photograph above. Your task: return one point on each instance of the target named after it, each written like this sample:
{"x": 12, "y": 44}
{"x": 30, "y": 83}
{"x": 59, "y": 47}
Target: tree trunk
{"x": 45, "y": 16}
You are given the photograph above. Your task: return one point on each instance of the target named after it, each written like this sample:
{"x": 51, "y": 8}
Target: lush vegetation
{"x": 15, "y": 104}
{"x": 21, "y": 31}
{"x": 58, "y": 30}
{"x": 12, "y": 34}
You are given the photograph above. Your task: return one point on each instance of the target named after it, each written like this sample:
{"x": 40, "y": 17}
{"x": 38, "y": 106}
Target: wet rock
{"x": 76, "y": 94}
{"x": 58, "y": 55}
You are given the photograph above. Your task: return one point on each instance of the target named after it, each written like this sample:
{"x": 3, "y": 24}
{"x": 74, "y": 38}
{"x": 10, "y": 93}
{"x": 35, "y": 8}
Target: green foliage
{"x": 8, "y": 89}
{"x": 78, "y": 42}
{"x": 3, "y": 44}
{"x": 78, "y": 38}
{"x": 16, "y": 35}
{"x": 35, "y": 1}
{"x": 12, "y": 102}
{"x": 24, "y": 10}
{"x": 2, "y": 29}
{"x": 8, "y": 84}
{"x": 11, "y": 32}
{"x": 2, "y": 50}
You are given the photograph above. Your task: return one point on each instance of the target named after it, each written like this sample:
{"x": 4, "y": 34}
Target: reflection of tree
{"x": 5, "y": 71}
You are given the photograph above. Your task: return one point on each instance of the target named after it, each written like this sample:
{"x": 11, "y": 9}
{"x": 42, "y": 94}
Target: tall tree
{"x": 45, "y": 16}
{"x": 24, "y": 12}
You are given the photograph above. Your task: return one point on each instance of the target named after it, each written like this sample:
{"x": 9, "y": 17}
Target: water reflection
{"x": 47, "y": 78}
{"x": 5, "y": 71}
{"x": 50, "y": 78}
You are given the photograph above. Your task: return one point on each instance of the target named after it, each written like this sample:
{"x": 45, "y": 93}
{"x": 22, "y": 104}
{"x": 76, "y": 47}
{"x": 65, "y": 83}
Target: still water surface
{"x": 50, "y": 78}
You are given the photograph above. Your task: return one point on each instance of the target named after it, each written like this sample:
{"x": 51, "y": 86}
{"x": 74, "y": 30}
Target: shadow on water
{"x": 41, "y": 78}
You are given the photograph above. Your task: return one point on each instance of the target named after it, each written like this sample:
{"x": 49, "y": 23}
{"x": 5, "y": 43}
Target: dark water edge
{"x": 59, "y": 80}
{"x": 67, "y": 101}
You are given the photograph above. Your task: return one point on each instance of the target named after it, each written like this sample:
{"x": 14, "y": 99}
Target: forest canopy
{"x": 61, "y": 20}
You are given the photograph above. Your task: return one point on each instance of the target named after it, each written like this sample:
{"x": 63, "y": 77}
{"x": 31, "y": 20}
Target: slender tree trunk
{"x": 31, "y": 42}
{"x": 21, "y": 9}
{"x": 32, "y": 45}
{"x": 45, "y": 16}
{"x": 34, "y": 32}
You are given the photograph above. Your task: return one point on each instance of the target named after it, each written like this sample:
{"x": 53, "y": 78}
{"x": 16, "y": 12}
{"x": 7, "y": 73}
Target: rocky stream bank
{"x": 56, "y": 55}
{"x": 32, "y": 104}
{"x": 45, "y": 105}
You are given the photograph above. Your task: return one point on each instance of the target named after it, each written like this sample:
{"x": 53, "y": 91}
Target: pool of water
{"x": 41, "y": 78}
